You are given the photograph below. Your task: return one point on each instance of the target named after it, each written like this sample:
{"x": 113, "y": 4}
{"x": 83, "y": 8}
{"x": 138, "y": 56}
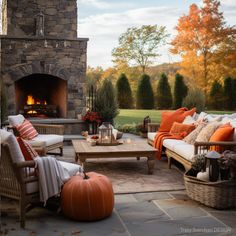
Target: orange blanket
{"x": 159, "y": 139}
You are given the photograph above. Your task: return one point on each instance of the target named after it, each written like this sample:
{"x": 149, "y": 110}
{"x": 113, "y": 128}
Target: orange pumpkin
{"x": 87, "y": 199}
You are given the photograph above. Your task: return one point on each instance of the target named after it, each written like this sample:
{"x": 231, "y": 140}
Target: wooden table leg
{"x": 80, "y": 160}
{"x": 151, "y": 160}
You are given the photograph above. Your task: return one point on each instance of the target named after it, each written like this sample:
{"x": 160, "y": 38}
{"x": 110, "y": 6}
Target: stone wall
{"x": 60, "y": 17}
{"x": 65, "y": 59}
{"x": 56, "y": 52}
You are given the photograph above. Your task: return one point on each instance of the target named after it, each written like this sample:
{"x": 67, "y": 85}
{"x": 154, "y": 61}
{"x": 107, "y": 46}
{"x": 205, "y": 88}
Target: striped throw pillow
{"x": 28, "y": 152}
{"x": 26, "y": 130}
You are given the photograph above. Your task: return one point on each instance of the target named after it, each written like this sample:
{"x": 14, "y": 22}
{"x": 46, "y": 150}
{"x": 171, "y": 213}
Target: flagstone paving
{"x": 142, "y": 214}
{"x": 138, "y": 214}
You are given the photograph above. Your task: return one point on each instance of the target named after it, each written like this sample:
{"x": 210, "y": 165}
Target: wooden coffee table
{"x": 83, "y": 151}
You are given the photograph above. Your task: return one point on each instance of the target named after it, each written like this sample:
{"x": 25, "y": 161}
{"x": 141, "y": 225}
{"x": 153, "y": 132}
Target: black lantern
{"x": 211, "y": 160}
{"x": 105, "y": 133}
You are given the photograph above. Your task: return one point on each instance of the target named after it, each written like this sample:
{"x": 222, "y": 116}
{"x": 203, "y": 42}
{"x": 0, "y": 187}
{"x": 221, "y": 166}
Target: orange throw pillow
{"x": 28, "y": 152}
{"x": 168, "y": 118}
{"x": 26, "y": 130}
{"x": 223, "y": 133}
{"x": 181, "y": 129}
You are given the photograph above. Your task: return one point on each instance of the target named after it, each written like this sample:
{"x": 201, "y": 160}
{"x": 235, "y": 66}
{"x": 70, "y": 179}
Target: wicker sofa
{"x": 182, "y": 151}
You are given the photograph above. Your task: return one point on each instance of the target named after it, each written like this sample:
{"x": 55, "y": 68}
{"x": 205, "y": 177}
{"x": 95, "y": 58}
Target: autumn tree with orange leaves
{"x": 202, "y": 39}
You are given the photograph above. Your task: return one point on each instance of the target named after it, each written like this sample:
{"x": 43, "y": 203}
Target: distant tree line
{"x": 220, "y": 97}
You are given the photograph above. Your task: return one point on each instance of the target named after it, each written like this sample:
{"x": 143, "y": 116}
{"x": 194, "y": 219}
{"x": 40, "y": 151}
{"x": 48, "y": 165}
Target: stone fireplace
{"x": 43, "y": 63}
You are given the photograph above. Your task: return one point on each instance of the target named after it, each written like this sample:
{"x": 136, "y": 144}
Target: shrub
{"x": 216, "y": 95}
{"x": 180, "y": 91}
{"x": 195, "y": 98}
{"x": 228, "y": 93}
{"x": 124, "y": 93}
{"x": 164, "y": 97}
{"x": 234, "y": 97}
{"x": 106, "y": 102}
{"x": 145, "y": 97}
{"x": 128, "y": 128}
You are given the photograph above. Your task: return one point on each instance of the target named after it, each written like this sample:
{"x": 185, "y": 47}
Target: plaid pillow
{"x": 28, "y": 152}
{"x": 26, "y": 130}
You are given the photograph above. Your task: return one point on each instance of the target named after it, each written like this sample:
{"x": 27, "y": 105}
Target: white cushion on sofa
{"x": 45, "y": 140}
{"x": 185, "y": 150}
{"x": 16, "y": 120}
{"x": 171, "y": 143}
{"x": 189, "y": 120}
{"x": 213, "y": 118}
{"x": 201, "y": 116}
{"x": 232, "y": 116}
{"x": 151, "y": 135}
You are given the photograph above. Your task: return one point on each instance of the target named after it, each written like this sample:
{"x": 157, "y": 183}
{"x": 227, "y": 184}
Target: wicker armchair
{"x": 15, "y": 182}
{"x": 19, "y": 178}
{"x": 50, "y": 136}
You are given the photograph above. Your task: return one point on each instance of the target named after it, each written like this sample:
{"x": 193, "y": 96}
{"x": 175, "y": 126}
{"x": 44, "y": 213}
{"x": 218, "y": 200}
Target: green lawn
{"x": 127, "y": 116}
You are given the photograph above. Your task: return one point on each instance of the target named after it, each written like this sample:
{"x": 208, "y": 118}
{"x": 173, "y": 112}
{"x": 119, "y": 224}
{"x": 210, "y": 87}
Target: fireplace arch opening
{"x": 41, "y": 95}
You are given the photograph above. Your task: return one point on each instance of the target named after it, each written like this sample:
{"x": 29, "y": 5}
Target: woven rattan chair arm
{"x": 49, "y": 129}
{"x": 23, "y": 164}
{"x": 153, "y": 127}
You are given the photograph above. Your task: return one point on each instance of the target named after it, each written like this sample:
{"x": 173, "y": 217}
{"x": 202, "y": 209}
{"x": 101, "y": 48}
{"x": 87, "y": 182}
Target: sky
{"x": 103, "y": 21}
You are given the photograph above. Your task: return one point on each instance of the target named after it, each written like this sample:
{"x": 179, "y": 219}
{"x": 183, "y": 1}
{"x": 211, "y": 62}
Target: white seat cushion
{"x": 151, "y": 135}
{"x": 45, "y": 140}
{"x": 16, "y": 120}
{"x": 171, "y": 143}
{"x": 185, "y": 150}
{"x": 72, "y": 168}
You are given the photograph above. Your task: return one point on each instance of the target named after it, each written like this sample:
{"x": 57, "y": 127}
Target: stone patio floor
{"x": 139, "y": 214}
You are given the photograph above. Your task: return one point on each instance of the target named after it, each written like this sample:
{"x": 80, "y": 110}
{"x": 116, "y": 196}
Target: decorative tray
{"x": 109, "y": 144}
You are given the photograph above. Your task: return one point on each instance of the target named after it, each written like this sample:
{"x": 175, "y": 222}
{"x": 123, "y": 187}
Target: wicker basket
{"x": 219, "y": 195}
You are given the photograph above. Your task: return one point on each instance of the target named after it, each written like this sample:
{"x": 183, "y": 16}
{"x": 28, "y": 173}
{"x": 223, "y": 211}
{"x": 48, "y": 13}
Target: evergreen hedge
{"x": 124, "y": 93}
{"x": 180, "y": 91}
{"x": 145, "y": 97}
{"x": 164, "y": 96}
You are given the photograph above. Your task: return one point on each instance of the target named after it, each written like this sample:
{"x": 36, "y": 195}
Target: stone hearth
{"x": 41, "y": 54}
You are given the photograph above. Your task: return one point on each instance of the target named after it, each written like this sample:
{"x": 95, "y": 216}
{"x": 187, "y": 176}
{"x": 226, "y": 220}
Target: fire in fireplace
{"x": 38, "y": 107}
{"x": 32, "y": 101}
{"x": 41, "y": 95}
